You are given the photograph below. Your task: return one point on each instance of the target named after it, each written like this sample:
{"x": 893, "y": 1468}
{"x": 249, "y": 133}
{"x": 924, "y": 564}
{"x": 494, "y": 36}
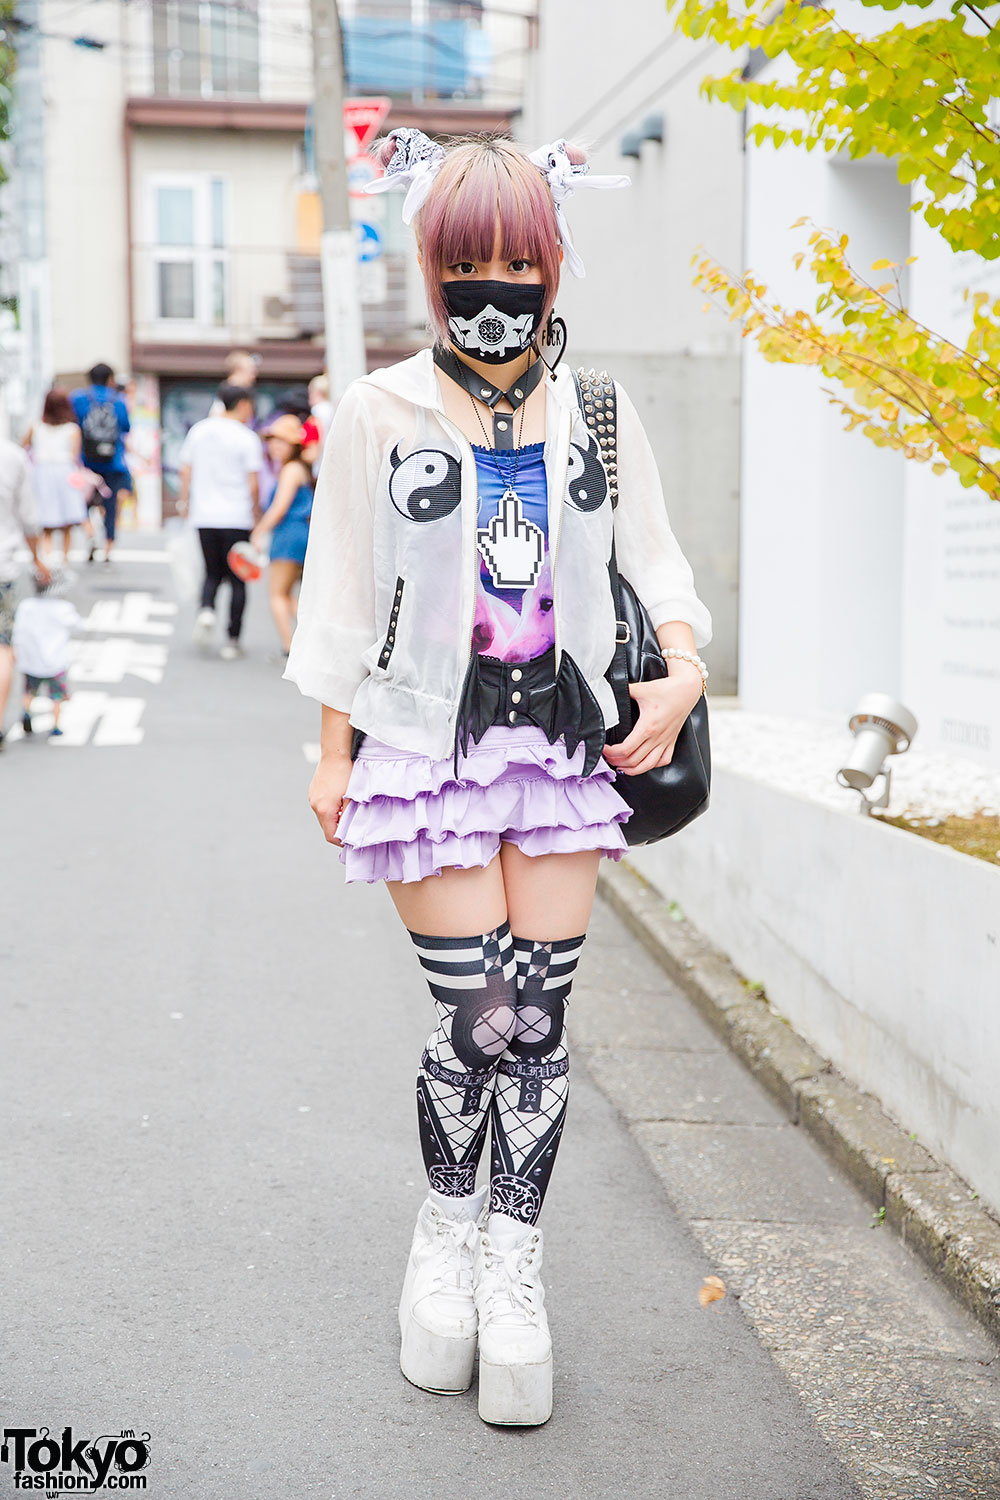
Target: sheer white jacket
{"x": 388, "y": 590}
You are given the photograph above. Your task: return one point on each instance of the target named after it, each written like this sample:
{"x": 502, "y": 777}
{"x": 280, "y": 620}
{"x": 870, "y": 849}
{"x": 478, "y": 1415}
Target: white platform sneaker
{"x": 515, "y": 1349}
{"x": 437, "y": 1310}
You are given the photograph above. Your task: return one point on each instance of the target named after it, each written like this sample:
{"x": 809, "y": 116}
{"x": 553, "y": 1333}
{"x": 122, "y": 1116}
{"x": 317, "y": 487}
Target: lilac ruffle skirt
{"x": 409, "y": 816}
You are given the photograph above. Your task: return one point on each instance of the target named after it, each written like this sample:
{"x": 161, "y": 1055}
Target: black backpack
{"x": 101, "y": 432}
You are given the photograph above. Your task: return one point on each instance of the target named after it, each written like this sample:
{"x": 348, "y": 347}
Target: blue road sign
{"x": 368, "y": 241}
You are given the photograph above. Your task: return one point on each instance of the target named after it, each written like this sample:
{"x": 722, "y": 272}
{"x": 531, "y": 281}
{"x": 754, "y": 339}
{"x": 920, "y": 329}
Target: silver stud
{"x": 588, "y": 408}
{"x": 501, "y": 426}
{"x": 485, "y": 392}
{"x": 517, "y": 392}
{"x": 512, "y": 716}
{"x": 515, "y": 697}
{"x": 516, "y": 675}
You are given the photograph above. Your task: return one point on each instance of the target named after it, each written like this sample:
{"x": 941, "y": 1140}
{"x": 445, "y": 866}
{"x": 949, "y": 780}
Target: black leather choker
{"x": 490, "y": 395}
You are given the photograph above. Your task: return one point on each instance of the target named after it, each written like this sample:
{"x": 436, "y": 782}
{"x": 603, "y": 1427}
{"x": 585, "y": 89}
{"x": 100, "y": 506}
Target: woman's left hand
{"x": 258, "y": 539}
{"x": 664, "y": 704}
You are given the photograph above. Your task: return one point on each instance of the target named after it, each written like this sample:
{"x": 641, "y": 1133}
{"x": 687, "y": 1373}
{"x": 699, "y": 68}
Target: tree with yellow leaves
{"x": 924, "y": 94}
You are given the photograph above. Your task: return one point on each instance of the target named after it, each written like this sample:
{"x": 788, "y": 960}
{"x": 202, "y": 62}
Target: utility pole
{"x": 345, "y": 340}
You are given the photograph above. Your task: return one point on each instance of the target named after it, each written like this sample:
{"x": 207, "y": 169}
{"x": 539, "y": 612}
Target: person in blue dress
{"x": 285, "y": 523}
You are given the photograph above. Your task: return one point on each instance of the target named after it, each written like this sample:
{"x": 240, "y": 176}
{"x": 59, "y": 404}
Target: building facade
{"x": 163, "y": 180}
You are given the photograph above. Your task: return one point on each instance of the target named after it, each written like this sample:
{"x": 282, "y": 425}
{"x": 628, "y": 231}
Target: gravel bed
{"x": 803, "y": 755}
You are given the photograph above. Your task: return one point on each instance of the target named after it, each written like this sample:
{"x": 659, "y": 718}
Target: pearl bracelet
{"x": 694, "y": 659}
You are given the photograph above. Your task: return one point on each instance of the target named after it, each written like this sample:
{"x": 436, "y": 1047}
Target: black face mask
{"x": 494, "y": 321}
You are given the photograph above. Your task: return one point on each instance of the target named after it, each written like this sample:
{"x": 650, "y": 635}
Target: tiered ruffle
{"x": 409, "y": 816}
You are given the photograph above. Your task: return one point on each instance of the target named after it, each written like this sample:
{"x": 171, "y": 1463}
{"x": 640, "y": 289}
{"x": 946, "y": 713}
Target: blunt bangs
{"x": 484, "y": 184}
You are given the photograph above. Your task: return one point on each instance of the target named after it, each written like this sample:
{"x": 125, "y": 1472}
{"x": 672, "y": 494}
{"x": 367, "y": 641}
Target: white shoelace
{"x": 453, "y": 1273}
{"x": 510, "y": 1299}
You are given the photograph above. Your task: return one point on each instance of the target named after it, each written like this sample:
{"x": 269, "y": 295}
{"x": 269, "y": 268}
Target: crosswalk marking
{"x": 111, "y": 660}
{"x": 135, "y": 614}
{"x": 111, "y": 721}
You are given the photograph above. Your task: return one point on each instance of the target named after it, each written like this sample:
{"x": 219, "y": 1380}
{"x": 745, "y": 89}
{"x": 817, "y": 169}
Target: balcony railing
{"x": 251, "y": 295}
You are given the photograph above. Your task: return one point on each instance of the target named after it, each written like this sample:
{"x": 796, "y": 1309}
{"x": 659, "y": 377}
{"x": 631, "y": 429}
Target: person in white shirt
{"x": 43, "y": 627}
{"x": 220, "y": 462}
{"x": 19, "y": 524}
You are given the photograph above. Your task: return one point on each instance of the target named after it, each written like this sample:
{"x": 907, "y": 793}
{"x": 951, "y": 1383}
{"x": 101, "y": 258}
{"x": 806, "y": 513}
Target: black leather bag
{"x": 669, "y": 797}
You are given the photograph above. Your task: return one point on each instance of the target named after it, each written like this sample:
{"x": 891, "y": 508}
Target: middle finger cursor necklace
{"x": 511, "y": 546}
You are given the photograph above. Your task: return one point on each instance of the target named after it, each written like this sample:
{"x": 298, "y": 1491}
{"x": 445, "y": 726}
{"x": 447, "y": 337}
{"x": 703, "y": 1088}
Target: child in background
{"x": 43, "y": 625}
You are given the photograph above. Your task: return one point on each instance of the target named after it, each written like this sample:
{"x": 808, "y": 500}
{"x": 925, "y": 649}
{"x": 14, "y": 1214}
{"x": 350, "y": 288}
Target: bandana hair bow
{"x": 413, "y": 165}
{"x": 564, "y": 177}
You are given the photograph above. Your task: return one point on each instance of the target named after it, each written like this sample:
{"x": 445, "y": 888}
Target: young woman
{"x": 456, "y": 623}
{"x": 55, "y": 444}
{"x": 285, "y": 523}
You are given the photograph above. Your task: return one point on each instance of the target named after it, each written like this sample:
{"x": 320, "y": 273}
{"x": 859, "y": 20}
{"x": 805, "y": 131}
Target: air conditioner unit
{"x": 277, "y": 309}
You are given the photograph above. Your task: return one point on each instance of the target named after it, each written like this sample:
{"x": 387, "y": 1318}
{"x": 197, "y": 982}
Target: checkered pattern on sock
{"x": 474, "y": 984}
{"x": 532, "y": 1088}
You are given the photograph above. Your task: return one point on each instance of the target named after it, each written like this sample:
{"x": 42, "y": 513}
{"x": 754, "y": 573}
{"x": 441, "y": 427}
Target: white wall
{"x": 860, "y": 570}
{"x": 881, "y": 948}
{"x": 637, "y": 312}
{"x": 85, "y": 176}
{"x": 951, "y": 595}
{"x": 822, "y": 520}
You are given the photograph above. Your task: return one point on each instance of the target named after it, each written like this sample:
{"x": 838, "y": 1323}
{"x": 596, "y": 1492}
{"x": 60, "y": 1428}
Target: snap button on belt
{"x": 520, "y": 687}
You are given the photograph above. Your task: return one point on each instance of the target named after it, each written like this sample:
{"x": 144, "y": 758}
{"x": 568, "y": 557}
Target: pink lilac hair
{"x": 483, "y": 183}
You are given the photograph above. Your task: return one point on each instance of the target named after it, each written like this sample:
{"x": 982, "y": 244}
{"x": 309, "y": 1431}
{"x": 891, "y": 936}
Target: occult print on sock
{"x": 532, "y": 1087}
{"x": 473, "y": 981}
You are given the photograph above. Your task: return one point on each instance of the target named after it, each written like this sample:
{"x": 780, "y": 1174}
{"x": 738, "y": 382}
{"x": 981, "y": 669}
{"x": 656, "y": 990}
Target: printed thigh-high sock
{"x": 474, "y": 984}
{"x": 532, "y": 1089}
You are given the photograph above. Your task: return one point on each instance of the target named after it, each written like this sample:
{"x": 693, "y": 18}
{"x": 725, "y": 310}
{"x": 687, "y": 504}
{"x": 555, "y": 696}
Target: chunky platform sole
{"x": 434, "y": 1362}
{"x": 515, "y": 1395}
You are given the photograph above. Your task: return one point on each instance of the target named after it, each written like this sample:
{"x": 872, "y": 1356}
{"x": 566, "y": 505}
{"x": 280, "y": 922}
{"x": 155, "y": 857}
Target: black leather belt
{"x": 530, "y": 692}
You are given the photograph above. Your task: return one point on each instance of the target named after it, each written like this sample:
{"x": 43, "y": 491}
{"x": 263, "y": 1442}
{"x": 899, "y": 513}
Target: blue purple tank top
{"x": 513, "y": 619}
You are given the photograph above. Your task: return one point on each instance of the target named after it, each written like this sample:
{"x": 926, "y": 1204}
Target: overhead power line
{"x": 618, "y": 85}
{"x": 661, "y": 89}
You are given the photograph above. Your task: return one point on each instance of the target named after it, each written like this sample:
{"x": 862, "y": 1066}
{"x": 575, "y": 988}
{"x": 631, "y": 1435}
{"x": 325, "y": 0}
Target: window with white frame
{"x": 206, "y": 49}
{"x": 189, "y": 257}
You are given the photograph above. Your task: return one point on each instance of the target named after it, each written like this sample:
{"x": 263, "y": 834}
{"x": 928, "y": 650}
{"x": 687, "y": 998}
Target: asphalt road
{"x": 209, "y": 1167}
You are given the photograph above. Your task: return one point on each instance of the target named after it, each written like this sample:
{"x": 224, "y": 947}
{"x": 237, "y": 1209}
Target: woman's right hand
{"x": 326, "y": 793}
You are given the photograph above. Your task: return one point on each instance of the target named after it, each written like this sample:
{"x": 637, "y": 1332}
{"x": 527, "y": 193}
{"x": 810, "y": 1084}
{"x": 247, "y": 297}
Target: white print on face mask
{"x": 512, "y": 547}
{"x": 492, "y": 332}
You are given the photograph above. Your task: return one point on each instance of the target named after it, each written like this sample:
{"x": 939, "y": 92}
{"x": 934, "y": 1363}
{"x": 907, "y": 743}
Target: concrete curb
{"x": 933, "y": 1210}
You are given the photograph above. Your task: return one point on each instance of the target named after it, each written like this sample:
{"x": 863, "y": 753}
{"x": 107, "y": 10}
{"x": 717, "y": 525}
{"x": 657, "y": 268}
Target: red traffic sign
{"x": 362, "y": 118}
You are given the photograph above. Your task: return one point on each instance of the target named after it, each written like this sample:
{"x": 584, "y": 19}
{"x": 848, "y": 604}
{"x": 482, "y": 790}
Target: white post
{"x": 345, "y": 340}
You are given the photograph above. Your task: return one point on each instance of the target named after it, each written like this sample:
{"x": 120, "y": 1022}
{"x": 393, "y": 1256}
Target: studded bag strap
{"x": 600, "y": 411}
{"x": 596, "y": 392}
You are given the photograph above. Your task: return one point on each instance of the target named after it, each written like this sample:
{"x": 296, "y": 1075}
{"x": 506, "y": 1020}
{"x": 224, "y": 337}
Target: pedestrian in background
{"x": 102, "y": 415}
{"x": 43, "y": 628}
{"x": 321, "y": 410}
{"x": 55, "y": 444}
{"x": 18, "y": 526}
{"x": 285, "y": 523}
{"x": 241, "y": 368}
{"x": 220, "y": 463}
